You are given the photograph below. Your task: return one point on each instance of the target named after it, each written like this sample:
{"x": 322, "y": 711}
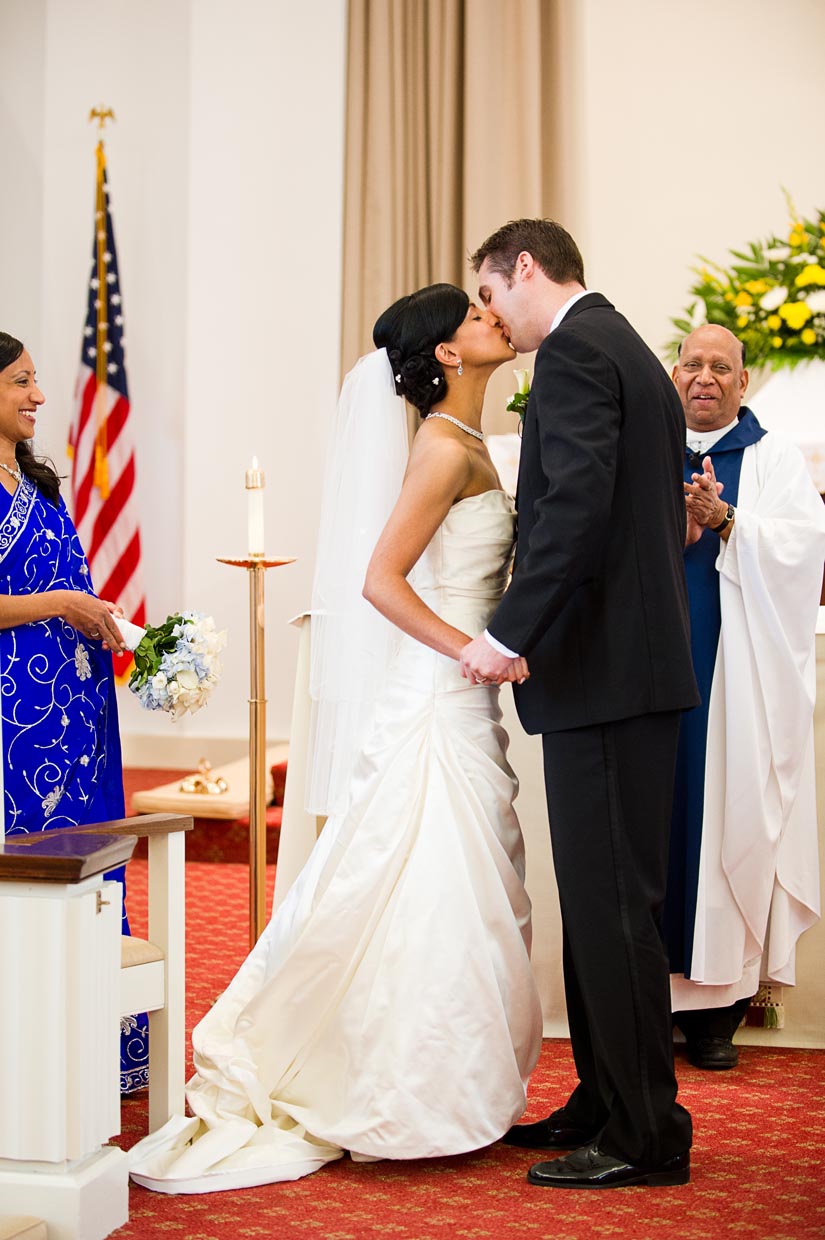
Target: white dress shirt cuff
{"x": 510, "y": 654}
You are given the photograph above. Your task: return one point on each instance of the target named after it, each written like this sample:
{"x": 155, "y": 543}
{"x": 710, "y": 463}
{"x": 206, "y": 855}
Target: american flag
{"x": 100, "y": 442}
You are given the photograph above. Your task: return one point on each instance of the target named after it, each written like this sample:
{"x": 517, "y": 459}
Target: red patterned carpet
{"x": 757, "y": 1158}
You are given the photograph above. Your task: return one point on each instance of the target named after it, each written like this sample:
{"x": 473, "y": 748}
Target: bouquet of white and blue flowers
{"x": 176, "y": 664}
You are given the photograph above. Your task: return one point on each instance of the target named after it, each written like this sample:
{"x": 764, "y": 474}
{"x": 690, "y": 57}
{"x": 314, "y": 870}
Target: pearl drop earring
{"x": 460, "y": 369}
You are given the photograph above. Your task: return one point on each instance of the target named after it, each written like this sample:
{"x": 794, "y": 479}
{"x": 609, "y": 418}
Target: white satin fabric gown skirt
{"x": 388, "y": 1009}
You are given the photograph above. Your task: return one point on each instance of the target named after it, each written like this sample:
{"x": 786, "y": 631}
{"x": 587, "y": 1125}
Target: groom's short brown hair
{"x": 551, "y": 246}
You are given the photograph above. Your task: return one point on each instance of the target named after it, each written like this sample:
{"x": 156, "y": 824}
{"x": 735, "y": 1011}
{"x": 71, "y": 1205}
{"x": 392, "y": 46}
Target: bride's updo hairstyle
{"x": 411, "y": 330}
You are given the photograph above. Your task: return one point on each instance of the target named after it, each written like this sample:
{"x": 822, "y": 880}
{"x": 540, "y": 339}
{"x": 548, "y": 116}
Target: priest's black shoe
{"x": 715, "y": 1054}
{"x": 590, "y": 1168}
{"x": 554, "y": 1133}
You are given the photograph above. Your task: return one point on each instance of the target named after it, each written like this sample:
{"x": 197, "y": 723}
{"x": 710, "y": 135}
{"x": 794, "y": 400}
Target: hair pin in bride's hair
{"x": 397, "y": 378}
{"x": 436, "y": 381}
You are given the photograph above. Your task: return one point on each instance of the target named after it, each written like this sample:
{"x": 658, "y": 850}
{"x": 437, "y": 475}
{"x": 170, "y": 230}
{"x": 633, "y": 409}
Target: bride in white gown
{"x": 388, "y": 1009}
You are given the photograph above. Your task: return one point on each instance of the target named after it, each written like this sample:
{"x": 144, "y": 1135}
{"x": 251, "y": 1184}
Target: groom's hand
{"x": 482, "y": 665}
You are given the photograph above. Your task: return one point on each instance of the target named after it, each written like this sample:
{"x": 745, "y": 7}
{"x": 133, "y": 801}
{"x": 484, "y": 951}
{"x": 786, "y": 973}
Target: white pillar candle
{"x": 255, "y": 483}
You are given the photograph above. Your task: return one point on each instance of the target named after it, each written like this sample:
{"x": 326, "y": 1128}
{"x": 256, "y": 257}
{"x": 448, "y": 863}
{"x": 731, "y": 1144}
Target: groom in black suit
{"x": 598, "y": 606}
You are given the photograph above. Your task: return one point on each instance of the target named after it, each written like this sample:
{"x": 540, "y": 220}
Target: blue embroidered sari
{"x": 58, "y": 711}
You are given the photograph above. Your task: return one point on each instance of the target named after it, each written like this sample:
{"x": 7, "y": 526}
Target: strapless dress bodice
{"x": 471, "y": 551}
{"x": 461, "y": 575}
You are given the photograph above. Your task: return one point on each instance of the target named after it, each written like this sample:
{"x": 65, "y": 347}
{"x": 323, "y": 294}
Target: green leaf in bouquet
{"x": 155, "y": 643}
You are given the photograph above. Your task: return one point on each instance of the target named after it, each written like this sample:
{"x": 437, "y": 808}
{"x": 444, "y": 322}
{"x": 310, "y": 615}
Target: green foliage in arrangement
{"x": 772, "y": 296}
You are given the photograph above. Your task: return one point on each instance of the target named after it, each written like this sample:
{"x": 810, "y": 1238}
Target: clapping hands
{"x": 704, "y": 508}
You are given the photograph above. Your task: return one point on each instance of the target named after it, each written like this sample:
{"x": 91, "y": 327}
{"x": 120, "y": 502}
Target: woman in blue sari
{"x": 58, "y": 712}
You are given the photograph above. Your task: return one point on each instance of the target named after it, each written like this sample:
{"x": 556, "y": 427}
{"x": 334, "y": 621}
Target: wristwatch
{"x": 726, "y": 520}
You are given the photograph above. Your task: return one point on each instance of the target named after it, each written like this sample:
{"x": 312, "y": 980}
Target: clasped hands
{"x": 481, "y": 664}
{"x": 704, "y": 507}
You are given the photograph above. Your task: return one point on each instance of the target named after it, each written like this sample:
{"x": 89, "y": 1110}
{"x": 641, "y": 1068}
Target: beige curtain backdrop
{"x": 451, "y": 131}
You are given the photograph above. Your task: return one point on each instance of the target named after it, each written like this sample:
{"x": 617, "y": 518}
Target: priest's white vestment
{"x": 758, "y": 872}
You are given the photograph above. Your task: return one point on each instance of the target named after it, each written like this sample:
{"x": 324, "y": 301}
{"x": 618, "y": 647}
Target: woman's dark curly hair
{"x": 410, "y": 330}
{"x": 41, "y": 471}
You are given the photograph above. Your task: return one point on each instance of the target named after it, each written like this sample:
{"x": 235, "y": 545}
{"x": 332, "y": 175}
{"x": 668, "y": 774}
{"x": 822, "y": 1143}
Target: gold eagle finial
{"x": 101, "y": 115}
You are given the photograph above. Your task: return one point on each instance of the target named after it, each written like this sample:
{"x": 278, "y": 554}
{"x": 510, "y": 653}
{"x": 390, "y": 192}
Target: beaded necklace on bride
{"x": 448, "y": 417}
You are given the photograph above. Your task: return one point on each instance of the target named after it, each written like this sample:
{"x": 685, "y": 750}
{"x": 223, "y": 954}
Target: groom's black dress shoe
{"x": 554, "y": 1133}
{"x": 590, "y": 1168}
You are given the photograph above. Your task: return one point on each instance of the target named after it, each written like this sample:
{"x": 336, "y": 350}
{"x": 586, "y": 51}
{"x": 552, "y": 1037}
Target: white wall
{"x": 225, "y": 167}
{"x": 686, "y": 120}
{"x": 22, "y": 105}
{"x": 263, "y": 329}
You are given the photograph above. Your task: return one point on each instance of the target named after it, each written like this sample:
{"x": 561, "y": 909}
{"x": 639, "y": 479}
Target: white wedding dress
{"x": 388, "y": 1009}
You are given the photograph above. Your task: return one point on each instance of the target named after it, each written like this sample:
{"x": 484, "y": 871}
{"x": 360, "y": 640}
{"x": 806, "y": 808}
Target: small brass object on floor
{"x": 203, "y": 782}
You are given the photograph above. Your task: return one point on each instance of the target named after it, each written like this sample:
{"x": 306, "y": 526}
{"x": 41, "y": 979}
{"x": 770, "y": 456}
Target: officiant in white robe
{"x": 743, "y": 877}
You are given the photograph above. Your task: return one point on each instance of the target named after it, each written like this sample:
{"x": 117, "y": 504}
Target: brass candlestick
{"x": 256, "y": 566}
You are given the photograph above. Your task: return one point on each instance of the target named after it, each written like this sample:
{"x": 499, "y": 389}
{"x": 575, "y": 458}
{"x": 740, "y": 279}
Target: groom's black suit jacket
{"x": 598, "y": 603}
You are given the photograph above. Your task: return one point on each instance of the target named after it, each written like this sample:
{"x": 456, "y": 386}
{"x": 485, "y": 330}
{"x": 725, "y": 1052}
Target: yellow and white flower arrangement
{"x": 772, "y": 296}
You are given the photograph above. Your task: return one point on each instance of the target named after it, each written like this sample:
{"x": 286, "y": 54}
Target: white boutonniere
{"x": 518, "y": 401}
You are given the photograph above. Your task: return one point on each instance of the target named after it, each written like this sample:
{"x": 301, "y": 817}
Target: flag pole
{"x": 101, "y": 467}
{"x": 103, "y": 496}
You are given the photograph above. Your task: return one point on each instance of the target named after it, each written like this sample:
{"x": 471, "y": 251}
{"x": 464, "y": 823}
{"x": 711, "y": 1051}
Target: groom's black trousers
{"x": 609, "y": 793}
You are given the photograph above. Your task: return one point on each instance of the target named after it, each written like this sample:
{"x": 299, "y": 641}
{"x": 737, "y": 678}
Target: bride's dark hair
{"x": 410, "y": 330}
{"x": 40, "y": 470}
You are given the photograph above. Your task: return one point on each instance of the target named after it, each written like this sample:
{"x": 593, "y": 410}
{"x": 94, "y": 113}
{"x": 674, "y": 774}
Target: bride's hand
{"x": 518, "y": 671}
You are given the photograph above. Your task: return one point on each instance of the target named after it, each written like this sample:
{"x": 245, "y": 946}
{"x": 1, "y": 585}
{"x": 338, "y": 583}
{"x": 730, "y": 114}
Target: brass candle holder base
{"x": 256, "y": 566}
